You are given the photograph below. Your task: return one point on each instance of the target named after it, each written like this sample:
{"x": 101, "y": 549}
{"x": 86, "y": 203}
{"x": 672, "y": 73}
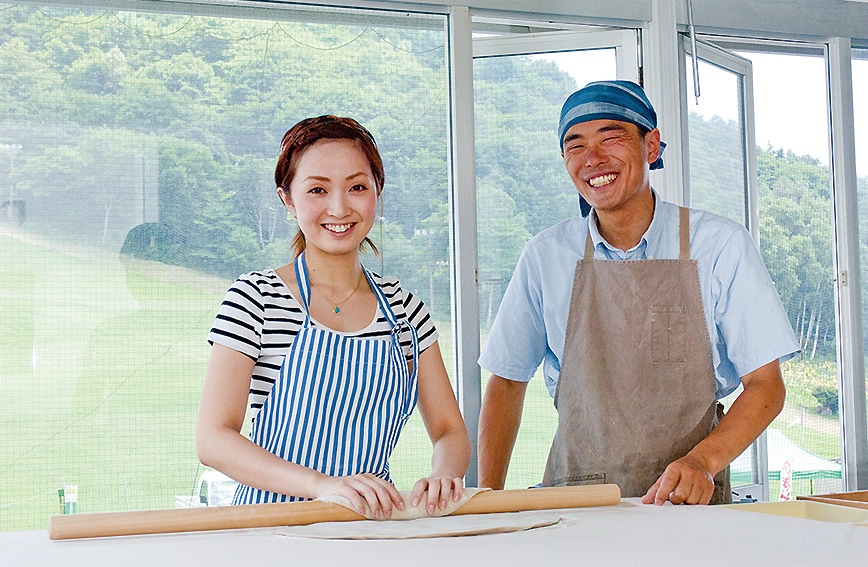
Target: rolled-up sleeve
{"x": 517, "y": 342}
{"x": 753, "y": 327}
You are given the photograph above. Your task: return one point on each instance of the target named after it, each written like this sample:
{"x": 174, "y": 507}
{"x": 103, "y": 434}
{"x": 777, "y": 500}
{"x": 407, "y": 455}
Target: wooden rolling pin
{"x": 70, "y": 526}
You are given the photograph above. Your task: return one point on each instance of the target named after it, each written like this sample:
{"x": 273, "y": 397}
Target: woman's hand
{"x": 439, "y": 489}
{"x": 445, "y": 426}
{"x": 363, "y": 491}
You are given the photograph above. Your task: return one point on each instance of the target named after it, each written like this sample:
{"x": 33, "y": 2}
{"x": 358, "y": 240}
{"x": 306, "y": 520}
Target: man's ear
{"x": 287, "y": 201}
{"x": 652, "y": 141}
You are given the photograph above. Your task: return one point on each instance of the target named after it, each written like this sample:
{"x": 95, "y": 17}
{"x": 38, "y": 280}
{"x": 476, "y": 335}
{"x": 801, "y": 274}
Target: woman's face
{"x": 333, "y": 196}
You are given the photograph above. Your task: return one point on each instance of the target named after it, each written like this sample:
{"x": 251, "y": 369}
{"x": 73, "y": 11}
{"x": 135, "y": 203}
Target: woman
{"x": 348, "y": 352}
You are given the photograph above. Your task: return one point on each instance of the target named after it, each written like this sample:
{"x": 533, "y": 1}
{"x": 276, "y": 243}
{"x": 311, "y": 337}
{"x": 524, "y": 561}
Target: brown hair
{"x": 311, "y": 130}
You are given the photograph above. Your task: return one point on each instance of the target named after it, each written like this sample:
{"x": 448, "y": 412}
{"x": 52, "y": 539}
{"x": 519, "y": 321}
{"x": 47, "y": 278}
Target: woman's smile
{"x": 339, "y": 228}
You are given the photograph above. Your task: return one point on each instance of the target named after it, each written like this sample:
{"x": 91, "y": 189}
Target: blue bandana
{"x": 624, "y": 101}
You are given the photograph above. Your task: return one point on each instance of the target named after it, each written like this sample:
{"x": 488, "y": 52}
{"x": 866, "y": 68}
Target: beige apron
{"x": 636, "y": 389}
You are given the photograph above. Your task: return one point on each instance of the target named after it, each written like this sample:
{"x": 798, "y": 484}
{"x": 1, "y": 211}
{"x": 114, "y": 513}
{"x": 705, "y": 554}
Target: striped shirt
{"x": 260, "y": 318}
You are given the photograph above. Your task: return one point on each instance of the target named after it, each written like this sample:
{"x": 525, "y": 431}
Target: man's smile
{"x": 601, "y": 180}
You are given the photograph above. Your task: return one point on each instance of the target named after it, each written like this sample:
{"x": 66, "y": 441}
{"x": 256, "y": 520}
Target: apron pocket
{"x": 668, "y": 333}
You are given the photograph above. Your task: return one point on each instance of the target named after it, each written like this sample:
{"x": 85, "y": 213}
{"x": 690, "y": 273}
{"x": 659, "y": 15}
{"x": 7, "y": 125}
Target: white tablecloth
{"x": 624, "y": 535}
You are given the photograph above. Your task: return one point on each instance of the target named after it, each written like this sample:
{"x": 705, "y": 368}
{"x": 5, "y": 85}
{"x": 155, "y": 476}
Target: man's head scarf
{"x": 624, "y": 101}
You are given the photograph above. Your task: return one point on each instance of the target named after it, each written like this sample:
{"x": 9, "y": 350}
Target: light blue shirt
{"x": 746, "y": 322}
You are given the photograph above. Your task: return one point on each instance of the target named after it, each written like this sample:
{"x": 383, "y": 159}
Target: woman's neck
{"x": 333, "y": 272}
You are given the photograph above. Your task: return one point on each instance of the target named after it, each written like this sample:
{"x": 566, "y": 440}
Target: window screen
{"x": 137, "y": 153}
{"x": 522, "y": 189}
{"x": 796, "y": 241}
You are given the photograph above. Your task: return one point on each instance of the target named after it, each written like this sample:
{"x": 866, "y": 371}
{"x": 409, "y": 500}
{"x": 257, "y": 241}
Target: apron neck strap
{"x": 683, "y": 236}
{"x": 684, "y": 233}
{"x": 589, "y": 242}
{"x": 301, "y": 278}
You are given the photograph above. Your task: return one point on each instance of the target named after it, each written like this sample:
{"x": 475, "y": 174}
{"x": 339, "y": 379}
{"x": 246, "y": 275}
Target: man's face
{"x": 608, "y": 161}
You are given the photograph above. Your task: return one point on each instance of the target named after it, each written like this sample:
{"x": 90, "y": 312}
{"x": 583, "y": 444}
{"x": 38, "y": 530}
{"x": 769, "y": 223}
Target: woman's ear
{"x": 287, "y": 200}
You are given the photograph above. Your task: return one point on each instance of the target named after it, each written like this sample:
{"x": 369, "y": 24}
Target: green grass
{"x": 102, "y": 368}
{"x": 103, "y": 365}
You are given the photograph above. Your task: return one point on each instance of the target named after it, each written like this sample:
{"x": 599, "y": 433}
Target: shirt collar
{"x": 638, "y": 252}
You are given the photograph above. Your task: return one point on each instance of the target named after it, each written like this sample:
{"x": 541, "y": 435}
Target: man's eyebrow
{"x": 612, "y": 127}
{"x": 602, "y": 129}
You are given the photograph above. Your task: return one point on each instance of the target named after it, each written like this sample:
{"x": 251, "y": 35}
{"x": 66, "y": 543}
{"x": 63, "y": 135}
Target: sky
{"x": 789, "y": 98}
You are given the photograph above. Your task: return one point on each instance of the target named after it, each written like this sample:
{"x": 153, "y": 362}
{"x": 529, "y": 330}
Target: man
{"x": 643, "y": 314}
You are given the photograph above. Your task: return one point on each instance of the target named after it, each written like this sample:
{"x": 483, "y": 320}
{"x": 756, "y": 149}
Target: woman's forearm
{"x": 219, "y": 442}
{"x": 451, "y": 454}
{"x": 238, "y": 457}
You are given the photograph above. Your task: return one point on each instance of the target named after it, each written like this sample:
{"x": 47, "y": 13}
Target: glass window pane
{"x": 137, "y": 153}
{"x": 718, "y": 180}
{"x": 522, "y": 189}
{"x": 717, "y": 157}
{"x": 796, "y": 240}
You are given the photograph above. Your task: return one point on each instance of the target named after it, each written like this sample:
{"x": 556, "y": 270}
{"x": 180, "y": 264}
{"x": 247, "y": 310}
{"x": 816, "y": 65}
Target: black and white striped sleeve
{"x": 239, "y": 320}
{"x": 410, "y": 308}
{"x": 419, "y": 317}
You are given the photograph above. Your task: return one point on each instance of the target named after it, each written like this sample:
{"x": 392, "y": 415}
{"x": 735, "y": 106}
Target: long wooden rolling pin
{"x": 70, "y": 526}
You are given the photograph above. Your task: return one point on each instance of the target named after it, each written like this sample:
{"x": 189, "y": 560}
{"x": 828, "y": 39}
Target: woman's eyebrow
{"x": 357, "y": 174}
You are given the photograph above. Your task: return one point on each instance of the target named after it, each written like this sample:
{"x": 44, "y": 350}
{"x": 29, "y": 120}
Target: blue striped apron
{"x": 339, "y": 403}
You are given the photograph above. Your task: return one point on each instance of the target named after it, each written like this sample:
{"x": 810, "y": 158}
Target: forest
{"x": 169, "y": 125}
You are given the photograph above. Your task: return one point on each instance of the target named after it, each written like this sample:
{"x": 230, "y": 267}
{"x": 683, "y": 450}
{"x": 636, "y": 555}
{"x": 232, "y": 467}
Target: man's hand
{"x": 689, "y": 480}
{"x": 685, "y": 481}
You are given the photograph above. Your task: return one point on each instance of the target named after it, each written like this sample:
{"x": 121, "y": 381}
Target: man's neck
{"x": 623, "y": 227}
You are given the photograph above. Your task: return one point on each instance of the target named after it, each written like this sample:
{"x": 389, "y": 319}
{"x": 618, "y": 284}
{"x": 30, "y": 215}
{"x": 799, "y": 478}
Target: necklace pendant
{"x": 337, "y": 310}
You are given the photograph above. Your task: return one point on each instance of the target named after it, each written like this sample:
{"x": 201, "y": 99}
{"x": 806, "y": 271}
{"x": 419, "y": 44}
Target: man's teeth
{"x": 338, "y": 227}
{"x": 602, "y": 180}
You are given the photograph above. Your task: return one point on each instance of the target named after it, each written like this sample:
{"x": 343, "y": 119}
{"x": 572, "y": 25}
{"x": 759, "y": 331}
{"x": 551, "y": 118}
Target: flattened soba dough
{"x": 419, "y": 524}
{"x": 410, "y": 512}
{"x": 429, "y": 527}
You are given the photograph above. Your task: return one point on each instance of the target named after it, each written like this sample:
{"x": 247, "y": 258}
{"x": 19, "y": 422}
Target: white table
{"x": 624, "y": 535}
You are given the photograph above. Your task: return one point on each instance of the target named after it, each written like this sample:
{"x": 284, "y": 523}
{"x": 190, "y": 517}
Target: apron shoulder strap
{"x": 301, "y": 278}
{"x": 684, "y": 233}
{"x": 589, "y": 242}
{"x": 396, "y": 325}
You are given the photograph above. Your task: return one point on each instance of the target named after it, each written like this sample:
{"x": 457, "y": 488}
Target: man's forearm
{"x": 754, "y": 409}
{"x": 499, "y": 421}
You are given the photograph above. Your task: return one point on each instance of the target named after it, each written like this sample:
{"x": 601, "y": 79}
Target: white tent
{"x": 781, "y": 449}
